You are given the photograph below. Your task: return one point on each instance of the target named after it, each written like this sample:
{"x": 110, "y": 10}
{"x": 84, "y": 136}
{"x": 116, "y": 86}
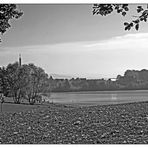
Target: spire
{"x": 20, "y": 60}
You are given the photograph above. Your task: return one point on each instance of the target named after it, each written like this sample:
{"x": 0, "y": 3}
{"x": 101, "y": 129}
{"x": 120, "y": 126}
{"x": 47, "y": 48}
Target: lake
{"x": 100, "y": 97}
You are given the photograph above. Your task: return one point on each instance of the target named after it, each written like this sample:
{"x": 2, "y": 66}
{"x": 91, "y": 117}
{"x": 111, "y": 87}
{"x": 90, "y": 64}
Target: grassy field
{"x": 10, "y": 107}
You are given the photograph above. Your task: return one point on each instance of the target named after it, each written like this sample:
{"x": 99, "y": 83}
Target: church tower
{"x": 20, "y": 60}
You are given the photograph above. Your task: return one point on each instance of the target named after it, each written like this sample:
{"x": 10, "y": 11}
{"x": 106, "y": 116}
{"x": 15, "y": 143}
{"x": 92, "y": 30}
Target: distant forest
{"x": 132, "y": 80}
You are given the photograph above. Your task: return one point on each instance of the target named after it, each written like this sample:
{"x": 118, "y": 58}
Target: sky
{"x": 67, "y": 39}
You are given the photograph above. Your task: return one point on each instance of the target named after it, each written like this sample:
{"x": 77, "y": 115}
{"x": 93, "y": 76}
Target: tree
{"x": 1, "y": 101}
{"x": 37, "y": 82}
{"x": 4, "y": 81}
{"x": 16, "y": 76}
{"x": 23, "y": 82}
{"x": 106, "y": 9}
{"x": 7, "y": 13}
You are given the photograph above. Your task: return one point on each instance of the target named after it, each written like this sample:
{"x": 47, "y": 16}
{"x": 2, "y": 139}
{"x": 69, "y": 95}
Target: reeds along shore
{"x": 55, "y": 124}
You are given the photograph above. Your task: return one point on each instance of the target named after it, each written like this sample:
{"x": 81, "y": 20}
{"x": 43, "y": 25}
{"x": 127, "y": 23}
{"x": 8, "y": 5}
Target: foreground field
{"x": 55, "y": 124}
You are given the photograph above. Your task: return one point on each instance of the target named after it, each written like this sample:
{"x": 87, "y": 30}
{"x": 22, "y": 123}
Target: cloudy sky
{"x": 69, "y": 40}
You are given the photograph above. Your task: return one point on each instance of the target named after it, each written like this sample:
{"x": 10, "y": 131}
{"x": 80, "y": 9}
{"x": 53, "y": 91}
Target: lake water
{"x": 100, "y": 97}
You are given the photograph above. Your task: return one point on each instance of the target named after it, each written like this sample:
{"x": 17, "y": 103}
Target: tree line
{"x": 131, "y": 80}
{"x": 30, "y": 82}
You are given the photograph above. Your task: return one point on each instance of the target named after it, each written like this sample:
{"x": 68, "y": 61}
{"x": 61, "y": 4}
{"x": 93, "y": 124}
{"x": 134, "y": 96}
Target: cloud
{"x": 129, "y": 41}
{"x": 46, "y": 48}
{"x": 90, "y": 58}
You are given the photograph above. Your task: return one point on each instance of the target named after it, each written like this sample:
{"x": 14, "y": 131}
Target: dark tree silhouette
{"x": 7, "y": 13}
{"x": 105, "y": 9}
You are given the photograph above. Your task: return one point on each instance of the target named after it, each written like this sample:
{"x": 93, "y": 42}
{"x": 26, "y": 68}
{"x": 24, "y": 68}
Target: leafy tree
{"x": 4, "y": 81}
{"x": 7, "y": 13}
{"x": 37, "y": 82}
{"x": 23, "y": 82}
{"x": 17, "y": 79}
{"x": 106, "y": 9}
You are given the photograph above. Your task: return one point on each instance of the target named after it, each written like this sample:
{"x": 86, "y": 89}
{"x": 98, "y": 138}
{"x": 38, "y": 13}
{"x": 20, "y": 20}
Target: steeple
{"x": 20, "y": 60}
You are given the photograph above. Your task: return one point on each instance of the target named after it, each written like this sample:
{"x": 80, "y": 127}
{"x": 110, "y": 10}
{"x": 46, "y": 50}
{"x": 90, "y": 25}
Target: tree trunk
{"x": 1, "y": 107}
{"x": 16, "y": 98}
{"x": 32, "y": 100}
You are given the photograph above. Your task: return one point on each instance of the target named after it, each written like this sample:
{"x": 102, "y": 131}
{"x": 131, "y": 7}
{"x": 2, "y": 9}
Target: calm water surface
{"x": 100, "y": 97}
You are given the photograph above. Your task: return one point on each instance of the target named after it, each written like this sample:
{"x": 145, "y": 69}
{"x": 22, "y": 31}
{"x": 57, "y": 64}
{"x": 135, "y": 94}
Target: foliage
{"x": 80, "y": 84}
{"x": 132, "y": 79}
{"x": 16, "y": 77}
{"x": 37, "y": 82}
{"x": 3, "y": 81}
{"x": 7, "y": 13}
{"x": 105, "y": 9}
{"x": 30, "y": 82}
{"x": 23, "y": 82}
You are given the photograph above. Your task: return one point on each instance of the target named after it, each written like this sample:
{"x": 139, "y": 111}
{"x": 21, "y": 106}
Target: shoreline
{"x": 108, "y": 90}
{"x": 22, "y": 107}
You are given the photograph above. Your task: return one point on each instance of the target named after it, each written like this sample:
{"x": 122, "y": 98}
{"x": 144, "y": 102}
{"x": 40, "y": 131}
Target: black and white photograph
{"x": 73, "y": 73}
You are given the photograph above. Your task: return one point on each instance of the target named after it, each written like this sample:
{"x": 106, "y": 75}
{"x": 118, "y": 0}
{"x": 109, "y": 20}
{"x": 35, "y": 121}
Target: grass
{"x": 11, "y": 107}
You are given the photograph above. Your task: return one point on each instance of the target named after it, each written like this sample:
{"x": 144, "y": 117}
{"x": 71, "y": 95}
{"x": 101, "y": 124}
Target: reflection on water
{"x": 100, "y": 97}
{"x": 114, "y": 97}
